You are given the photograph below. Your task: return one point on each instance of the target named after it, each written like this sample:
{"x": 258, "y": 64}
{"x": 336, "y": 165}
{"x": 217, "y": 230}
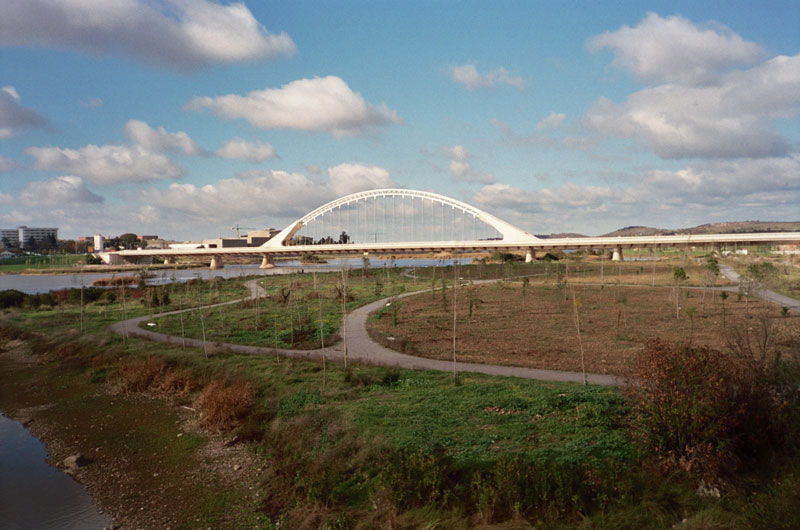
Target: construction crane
{"x": 237, "y": 227}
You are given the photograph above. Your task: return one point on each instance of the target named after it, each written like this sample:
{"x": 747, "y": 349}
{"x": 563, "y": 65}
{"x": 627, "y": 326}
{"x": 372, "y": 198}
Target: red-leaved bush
{"x": 708, "y": 412}
{"x": 222, "y": 404}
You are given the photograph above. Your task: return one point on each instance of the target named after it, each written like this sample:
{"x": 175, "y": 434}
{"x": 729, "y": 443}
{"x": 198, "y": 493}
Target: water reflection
{"x": 36, "y": 495}
{"x": 41, "y": 283}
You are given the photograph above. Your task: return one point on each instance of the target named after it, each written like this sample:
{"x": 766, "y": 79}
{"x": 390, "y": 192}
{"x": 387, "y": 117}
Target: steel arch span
{"x": 509, "y": 234}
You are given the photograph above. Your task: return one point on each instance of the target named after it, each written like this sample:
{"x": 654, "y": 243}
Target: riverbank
{"x": 310, "y": 444}
{"x": 149, "y": 464}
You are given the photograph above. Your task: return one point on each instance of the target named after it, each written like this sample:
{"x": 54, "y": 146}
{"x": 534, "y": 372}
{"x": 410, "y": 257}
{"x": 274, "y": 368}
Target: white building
{"x": 26, "y": 233}
{"x": 20, "y": 236}
{"x": 99, "y": 243}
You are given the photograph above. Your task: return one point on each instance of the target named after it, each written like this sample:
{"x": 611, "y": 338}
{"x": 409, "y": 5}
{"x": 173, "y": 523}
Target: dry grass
{"x": 224, "y": 404}
{"x": 139, "y": 375}
{"x": 155, "y": 376}
{"x": 538, "y": 329}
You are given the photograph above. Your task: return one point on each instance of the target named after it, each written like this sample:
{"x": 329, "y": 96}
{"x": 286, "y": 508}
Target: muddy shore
{"x": 149, "y": 465}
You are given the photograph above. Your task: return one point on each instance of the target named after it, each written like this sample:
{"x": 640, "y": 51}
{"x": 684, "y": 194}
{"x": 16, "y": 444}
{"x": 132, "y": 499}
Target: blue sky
{"x": 184, "y": 117}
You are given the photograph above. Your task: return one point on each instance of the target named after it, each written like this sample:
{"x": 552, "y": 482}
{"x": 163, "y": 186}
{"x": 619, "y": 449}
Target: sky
{"x": 183, "y": 118}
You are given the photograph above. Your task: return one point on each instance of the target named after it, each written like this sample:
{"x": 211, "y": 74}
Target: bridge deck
{"x": 774, "y": 238}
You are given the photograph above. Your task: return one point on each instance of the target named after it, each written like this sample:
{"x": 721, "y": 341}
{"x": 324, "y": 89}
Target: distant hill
{"x": 559, "y": 236}
{"x": 738, "y": 227}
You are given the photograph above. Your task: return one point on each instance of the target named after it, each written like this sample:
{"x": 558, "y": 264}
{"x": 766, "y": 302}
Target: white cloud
{"x": 674, "y": 49}
{"x": 553, "y": 121}
{"x": 764, "y": 188}
{"x": 318, "y": 104}
{"x": 107, "y": 164}
{"x": 737, "y": 180}
{"x": 261, "y": 194}
{"x": 238, "y": 149}
{"x": 160, "y": 140}
{"x": 144, "y": 160}
{"x": 698, "y": 105}
{"x": 13, "y": 115}
{"x": 59, "y": 192}
{"x": 176, "y": 34}
{"x": 461, "y": 168}
{"x": 351, "y": 178}
{"x": 732, "y": 118}
{"x": 468, "y": 75}
{"x": 6, "y": 164}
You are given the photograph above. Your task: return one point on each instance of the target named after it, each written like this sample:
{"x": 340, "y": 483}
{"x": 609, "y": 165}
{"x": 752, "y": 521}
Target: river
{"x": 34, "y": 494}
{"x": 42, "y": 283}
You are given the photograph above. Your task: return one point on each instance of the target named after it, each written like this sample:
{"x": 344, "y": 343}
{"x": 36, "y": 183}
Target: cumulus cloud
{"x": 733, "y": 118}
{"x": 177, "y": 34}
{"x": 460, "y": 167}
{"x": 699, "y": 106}
{"x": 264, "y": 194}
{"x": 553, "y": 121}
{"x": 13, "y": 115}
{"x": 238, "y": 149}
{"x": 674, "y": 49}
{"x": 351, "y": 178}
{"x": 160, "y": 140}
{"x": 468, "y": 75}
{"x": 763, "y": 188}
{"x": 58, "y": 192}
{"x": 107, "y": 164}
{"x": 318, "y": 104}
{"x": 143, "y": 160}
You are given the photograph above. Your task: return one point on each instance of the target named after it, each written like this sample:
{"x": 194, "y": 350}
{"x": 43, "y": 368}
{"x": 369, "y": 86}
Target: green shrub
{"x": 11, "y": 298}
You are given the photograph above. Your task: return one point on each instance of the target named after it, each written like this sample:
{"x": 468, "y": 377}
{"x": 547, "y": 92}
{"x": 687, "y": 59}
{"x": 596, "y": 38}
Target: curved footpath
{"x": 764, "y": 294}
{"x": 361, "y": 348}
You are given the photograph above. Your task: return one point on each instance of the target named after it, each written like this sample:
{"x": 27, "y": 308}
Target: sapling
{"x": 576, "y": 305}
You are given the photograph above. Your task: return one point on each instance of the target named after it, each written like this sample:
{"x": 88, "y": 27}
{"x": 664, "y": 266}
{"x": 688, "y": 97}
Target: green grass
{"x": 289, "y": 315}
{"x": 53, "y": 261}
{"x": 336, "y": 441}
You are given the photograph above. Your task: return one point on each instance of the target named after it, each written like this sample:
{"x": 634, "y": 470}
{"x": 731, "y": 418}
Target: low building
{"x": 256, "y": 238}
{"x": 225, "y": 242}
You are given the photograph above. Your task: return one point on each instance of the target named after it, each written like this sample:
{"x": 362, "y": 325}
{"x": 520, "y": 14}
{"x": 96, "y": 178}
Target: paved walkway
{"x": 764, "y": 294}
{"x": 360, "y": 348}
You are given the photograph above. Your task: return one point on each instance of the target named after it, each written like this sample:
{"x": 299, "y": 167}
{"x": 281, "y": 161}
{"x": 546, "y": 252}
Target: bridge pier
{"x": 529, "y": 256}
{"x": 216, "y": 263}
{"x": 617, "y": 255}
{"x": 267, "y": 263}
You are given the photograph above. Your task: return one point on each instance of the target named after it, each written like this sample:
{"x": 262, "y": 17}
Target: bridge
{"x": 401, "y": 221}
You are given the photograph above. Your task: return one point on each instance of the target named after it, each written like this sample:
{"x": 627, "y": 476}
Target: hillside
{"x": 738, "y": 227}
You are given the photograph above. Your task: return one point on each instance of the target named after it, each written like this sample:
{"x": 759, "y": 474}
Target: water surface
{"x": 42, "y": 283}
{"x": 36, "y": 495}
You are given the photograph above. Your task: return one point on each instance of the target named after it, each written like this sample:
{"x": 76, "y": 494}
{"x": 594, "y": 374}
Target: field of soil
{"x": 536, "y": 327}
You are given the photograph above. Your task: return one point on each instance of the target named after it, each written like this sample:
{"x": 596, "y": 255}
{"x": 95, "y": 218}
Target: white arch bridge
{"x": 401, "y": 221}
